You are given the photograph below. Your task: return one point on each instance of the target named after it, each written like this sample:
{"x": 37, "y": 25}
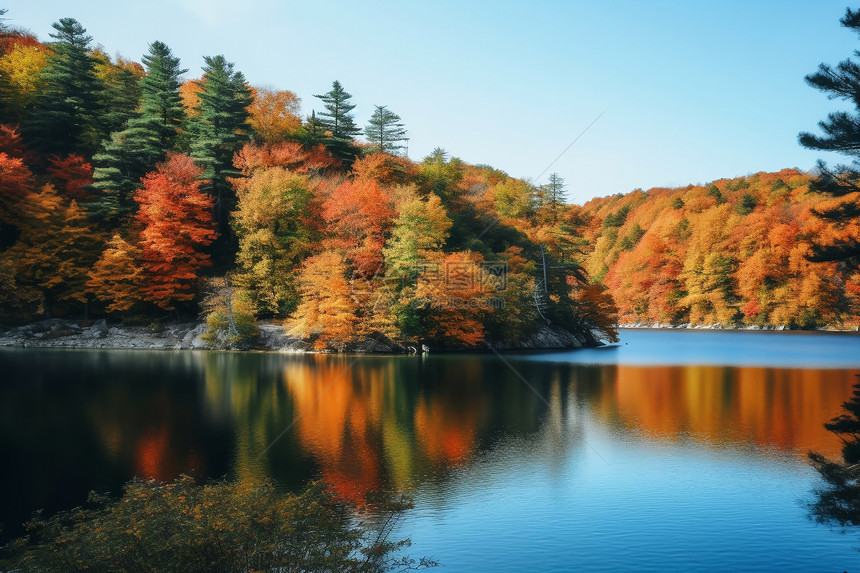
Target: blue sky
{"x": 689, "y": 91}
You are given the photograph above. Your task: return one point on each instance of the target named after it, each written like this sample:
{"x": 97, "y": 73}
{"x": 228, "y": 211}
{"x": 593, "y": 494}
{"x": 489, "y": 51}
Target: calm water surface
{"x": 674, "y": 451}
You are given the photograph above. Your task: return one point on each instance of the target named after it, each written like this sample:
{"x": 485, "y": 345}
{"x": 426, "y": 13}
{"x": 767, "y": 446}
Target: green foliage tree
{"x": 120, "y": 95}
{"x": 337, "y": 118}
{"x": 230, "y": 318}
{"x": 218, "y": 132}
{"x": 275, "y": 231}
{"x": 65, "y": 117}
{"x": 384, "y": 130}
{"x": 337, "y": 123}
{"x": 147, "y": 137}
{"x": 841, "y": 133}
{"x": 553, "y": 197}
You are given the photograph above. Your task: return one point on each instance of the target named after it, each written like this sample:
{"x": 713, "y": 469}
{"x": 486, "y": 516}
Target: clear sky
{"x": 690, "y": 91}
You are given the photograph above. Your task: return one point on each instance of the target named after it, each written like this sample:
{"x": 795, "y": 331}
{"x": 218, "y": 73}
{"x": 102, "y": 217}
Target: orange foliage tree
{"x": 56, "y": 247}
{"x": 450, "y": 292}
{"x": 176, "y": 217}
{"x": 328, "y": 311}
{"x": 117, "y": 277}
{"x": 359, "y": 215}
{"x": 274, "y": 114}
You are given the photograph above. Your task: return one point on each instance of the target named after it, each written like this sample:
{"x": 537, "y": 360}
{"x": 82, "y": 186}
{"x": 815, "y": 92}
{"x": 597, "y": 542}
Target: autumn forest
{"x": 130, "y": 192}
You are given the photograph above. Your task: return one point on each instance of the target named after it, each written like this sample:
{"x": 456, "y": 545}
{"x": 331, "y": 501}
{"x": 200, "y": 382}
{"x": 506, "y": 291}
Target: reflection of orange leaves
{"x": 773, "y": 408}
{"x": 152, "y": 456}
{"x": 447, "y": 437}
{"x": 339, "y": 426}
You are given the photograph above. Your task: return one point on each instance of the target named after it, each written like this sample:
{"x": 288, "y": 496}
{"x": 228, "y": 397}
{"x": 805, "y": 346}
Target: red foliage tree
{"x": 72, "y": 173}
{"x": 177, "y": 221}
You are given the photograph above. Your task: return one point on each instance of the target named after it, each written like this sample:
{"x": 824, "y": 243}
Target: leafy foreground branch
{"x": 221, "y": 526}
{"x": 837, "y": 503}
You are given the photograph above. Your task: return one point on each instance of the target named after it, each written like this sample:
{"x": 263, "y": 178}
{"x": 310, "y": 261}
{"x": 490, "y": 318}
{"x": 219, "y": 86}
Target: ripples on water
{"x": 674, "y": 451}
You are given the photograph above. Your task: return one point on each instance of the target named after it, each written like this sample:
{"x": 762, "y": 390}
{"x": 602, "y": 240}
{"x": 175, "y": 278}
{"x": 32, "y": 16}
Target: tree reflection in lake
{"x": 74, "y": 421}
{"x": 838, "y": 502}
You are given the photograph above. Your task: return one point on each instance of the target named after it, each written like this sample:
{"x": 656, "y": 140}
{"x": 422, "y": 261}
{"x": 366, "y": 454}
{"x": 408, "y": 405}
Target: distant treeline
{"x": 735, "y": 252}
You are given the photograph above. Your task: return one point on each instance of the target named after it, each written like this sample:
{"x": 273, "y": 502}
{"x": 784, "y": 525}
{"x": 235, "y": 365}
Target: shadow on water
{"x": 836, "y": 501}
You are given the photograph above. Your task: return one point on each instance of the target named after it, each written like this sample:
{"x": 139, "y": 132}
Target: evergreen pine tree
{"x": 148, "y": 136}
{"x": 553, "y": 196}
{"x": 313, "y": 131}
{"x": 121, "y": 91}
{"x": 337, "y": 118}
{"x": 217, "y": 133}
{"x": 338, "y": 123}
{"x": 384, "y": 130}
{"x": 66, "y": 113}
{"x": 841, "y": 134}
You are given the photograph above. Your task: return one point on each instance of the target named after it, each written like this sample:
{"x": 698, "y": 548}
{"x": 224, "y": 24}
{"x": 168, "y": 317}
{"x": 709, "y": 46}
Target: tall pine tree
{"x": 338, "y": 122}
{"x": 218, "y": 132}
{"x": 65, "y": 117}
{"x": 148, "y": 136}
{"x": 841, "y": 134}
{"x": 384, "y": 130}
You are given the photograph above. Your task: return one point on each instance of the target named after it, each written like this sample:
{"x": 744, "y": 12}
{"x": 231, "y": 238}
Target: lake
{"x": 672, "y": 451}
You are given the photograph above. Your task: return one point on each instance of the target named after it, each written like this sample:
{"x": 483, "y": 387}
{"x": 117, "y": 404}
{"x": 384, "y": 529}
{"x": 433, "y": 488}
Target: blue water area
{"x": 719, "y": 347}
{"x": 672, "y": 451}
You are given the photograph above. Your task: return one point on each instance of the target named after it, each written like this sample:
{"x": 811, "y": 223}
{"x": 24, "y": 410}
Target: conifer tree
{"x": 337, "y": 123}
{"x": 384, "y": 130}
{"x": 553, "y": 196}
{"x": 120, "y": 94}
{"x": 337, "y": 118}
{"x": 146, "y": 139}
{"x": 841, "y": 133}
{"x": 66, "y": 113}
{"x": 219, "y": 131}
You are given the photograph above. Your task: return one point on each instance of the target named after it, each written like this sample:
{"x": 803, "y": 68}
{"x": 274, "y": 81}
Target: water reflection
{"x": 766, "y": 407}
{"x": 396, "y": 422}
{"x": 75, "y": 421}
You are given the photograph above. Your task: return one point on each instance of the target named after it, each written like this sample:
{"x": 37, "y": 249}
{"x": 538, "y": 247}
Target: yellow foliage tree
{"x": 327, "y": 313}
{"x": 116, "y": 277}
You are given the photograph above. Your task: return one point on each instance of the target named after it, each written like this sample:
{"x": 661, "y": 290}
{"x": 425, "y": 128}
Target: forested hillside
{"x": 732, "y": 252}
{"x": 130, "y": 191}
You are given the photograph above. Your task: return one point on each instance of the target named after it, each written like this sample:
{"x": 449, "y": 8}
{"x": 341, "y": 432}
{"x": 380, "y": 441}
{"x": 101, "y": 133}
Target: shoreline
{"x": 99, "y": 335}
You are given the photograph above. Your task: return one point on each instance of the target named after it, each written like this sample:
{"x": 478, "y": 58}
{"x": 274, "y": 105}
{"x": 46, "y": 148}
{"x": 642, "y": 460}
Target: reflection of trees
{"x": 73, "y": 421}
{"x": 379, "y": 422}
{"x": 838, "y": 502}
{"x": 714, "y": 405}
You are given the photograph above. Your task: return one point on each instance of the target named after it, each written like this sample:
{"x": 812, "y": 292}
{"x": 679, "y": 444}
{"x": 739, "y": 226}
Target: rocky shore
{"x": 60, "y": 333}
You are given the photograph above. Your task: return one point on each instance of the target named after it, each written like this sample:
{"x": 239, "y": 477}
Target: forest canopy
{"x": 128, "y": 190}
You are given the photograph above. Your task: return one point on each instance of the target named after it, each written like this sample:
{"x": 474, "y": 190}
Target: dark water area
{"x": 675, "y": 450}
